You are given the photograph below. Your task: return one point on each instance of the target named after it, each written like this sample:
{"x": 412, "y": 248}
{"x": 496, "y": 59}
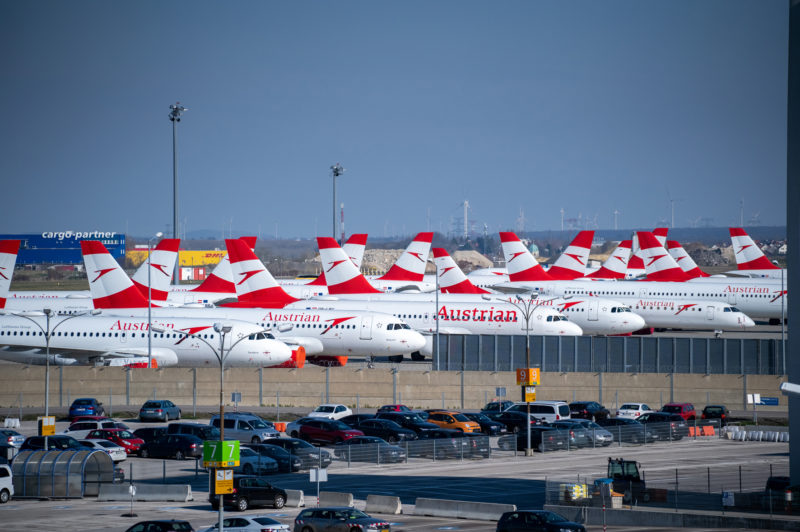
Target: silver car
{"x": 11, "y": 437}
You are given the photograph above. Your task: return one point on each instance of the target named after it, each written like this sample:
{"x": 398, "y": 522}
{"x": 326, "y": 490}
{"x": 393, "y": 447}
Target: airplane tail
{"x": 661, "y": 235}
{"x": 748, "y": 255}
{"x": 451, "y": 279}
{"x": 659, "y": 265}
{"x": 636, "y": 262}
{"x": 8, "y": 259}
{"x": 221, "y": 279}
{"x": 616, "y": 264}
{"x": 684, "y": 260}
{"x": 411, "y": 264}
{"x": 162, "y": 264}
{"x": 521, "y": 265}
{"x": 572, "y": 262}
{"x": 255, "y": 286}
{"x": 109, "y": 285}
{"x": 354, "y": 248}
{"x": 341, "y": 274}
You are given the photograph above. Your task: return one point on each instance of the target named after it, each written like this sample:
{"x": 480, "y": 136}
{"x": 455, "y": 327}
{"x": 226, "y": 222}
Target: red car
{"x": 685, "y": 410}
{"x": 123, "y": 438}
{"x": 327, "y": 431}
{"x": 394, "y": 408}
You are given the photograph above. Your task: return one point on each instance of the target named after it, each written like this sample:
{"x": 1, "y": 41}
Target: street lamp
{"x": 436, "y": 319}
{"x": 336, "y": 170}
{"x": 175, "y": 112}
{"x": 149, "y": 300}
{"x": 47, "y": 332}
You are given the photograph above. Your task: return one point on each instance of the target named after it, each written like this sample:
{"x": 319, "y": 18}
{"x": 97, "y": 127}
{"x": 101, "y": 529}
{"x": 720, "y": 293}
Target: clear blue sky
{"x": 590, "y": 106}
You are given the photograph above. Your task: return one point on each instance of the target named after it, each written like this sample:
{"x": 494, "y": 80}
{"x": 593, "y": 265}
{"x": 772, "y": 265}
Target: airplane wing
{"x": 513, "y": 289}
{"x": 117, "y": 357}
{"x": 445, "y": 330}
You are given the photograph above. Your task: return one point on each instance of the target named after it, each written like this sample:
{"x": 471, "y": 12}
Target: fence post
{"x": 676, "y": 489}
{"x": 358, "y": 397}
{"x": 740, "y": 478}
{"x": 127, "y": 386}
{"x": 260, "y": 386}
{"x": 60, "y": 385}
{"x": 194, "y": 392}
{"x": 709, "y": 479}
{"x": 278, "y": 404}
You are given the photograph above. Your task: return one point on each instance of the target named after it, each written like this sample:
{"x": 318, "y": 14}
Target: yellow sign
{"x": 190, "y": 257}
{"x": 530, "y": 394}
{"x": 527, "y": 376}
{"x": 47, "y": 425}
{"x": 223, "y": 483}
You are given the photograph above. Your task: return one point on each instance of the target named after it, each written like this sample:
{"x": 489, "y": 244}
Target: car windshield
{"x": 461, "y": 417}
{"x": 245, "y": 451}
{"x": 82, "y": 402}
{"x": 324, "y": 408}
{"x": 478, "y": 417}
{"x": 338, "y": 425}
{"x": 590, "y": 424}
{"x": 676, "y": 409}
{"x": 107, "y": 444}
{"x": 354, "y": 514}
{"x": 266, "y": 521}
{"x": 414, "y": 418}
{"x": 550, "y": 517}
{"x": 64, "y": 443}
{"x": 713, "y": 410}
{"x": 630, "y": 406}
{"x": 124, "y": 434}
{"x": 299, "y": 444}
{"x": 258, "y": 424}
{"x": 152, "y": 404}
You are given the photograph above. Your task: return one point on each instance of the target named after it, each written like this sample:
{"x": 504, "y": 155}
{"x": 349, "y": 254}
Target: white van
{"x": 547, "y": 411}
{"x": 6, "y": 484}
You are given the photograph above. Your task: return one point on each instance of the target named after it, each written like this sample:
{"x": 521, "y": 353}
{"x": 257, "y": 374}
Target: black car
{"x": 543, "y": 439}
{"x": 488, "y": 426}
{"x": 535, "y": 521}
{"x": 337, "y": 519}
{"x": 408, "y": 420}
{"x": 628, "y": 430}
{"x": 667, "y": 427}
{"x": 577, "y": 436}
{"x": 59, "y": 442}
{"x": 162, "y": 525}
{"x": 149, "y": 433}
{"x": 712, "y": 412}
{"x": 588, "y": 410}
{"x": 496, "y": 406}
{"x": 440, "y": 444}
{"x": 311, "y": 456}
{"x": 480, "y": 446}
{"x": 177, "y": 446}
{"x": 248, "y": 491}
{"x": 287, "y": 462}
{"x": 368, "y": 449}
{"x": 204, "y": 432}
{"x": 386, "y": 429}
{"x": 354, "y": 419}
{"x": 514, "y": 421}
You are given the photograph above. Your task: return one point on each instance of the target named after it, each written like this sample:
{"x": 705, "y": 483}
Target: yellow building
{"x": 186, "y": 257}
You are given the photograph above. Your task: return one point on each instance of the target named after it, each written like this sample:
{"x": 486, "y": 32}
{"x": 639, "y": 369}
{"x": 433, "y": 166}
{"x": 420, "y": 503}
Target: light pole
{"x": 47, "y": 332}
{"x": 150, "y": 300}
{"x": 336, "y": 170}
{"x": 175, "y": 112}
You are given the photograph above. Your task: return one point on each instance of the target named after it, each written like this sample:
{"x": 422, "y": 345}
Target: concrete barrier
{"x": 482, "y": 511}
{"x": 295, "y": 498}
{"x": 335, "y": 498}
{"x": 146, "y": 492}
{"x": 11, "y": 423}
{"x": 383, "y": 504}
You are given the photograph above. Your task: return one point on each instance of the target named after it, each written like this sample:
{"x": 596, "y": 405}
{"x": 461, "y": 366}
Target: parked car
{"x": 59, "y": 442}
{"x": 11, "y": 437}
{"x": 633, "y": 410}
{"x": 685, "y": 410}
{"x": 628, "y": 430}
{"x": 408, "y": 420}
{"x": 248, "y": 523}
{"x": 310, "y": 455}
{"x": 666, "y": 426}
{"x": 159, "y": 410}
{"x": 204, "y": 432}
{"x": 293, "y": 427}
{"x": 6, "y": 484}
{"x": 177, "y": 446}
{"x": 548, "y": 411}
{"x": 385, "y": 429}
{"x": 479, "y": 446}
{"x": 149, "y": 433}
{"x": 394, "y": 408}
{"x": 245, "y": 427}
{"x": 354, "y": 419}
{"x": 249, "y": 491}
{"x": 440, "y": 444}
{"x": 536, "y": 520}
{"x": 488, "y": 426}
{"x": 453, "y": 420}
{"x": 253, "y": 463}
{"x": 287, "y": 463}
{"x": 123, "y": 438}
{"x": 85, "y": 406}
{"x": 161, "y": 525}
{"x": 368, "y": 449}
{"x": 543, "y": 439}
{"x": 514, "y": 421}
{"x": 598, "y": 436}
{"x": 496, "y": 406}
{"x": 719, "y": 412}
{"x": 577, "y": 436}
{"x": 80, "y": 429}
{"x": 338, "y": 519}
{"x": 331, "y": 411}
{"x": 116, "y": 452}
{"x": 327, "y": 431}
{"x": 588, "y": 410}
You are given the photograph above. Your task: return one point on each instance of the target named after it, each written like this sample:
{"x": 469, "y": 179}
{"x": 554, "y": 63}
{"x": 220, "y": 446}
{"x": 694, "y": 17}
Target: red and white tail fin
{"x": 221, "y": 279}
{"x": 341, "y": 274}
{"x": 162, "y": 264}
{"x": 661, "y": 235}
{"x": 636, "y": 263}
{"x": 572, "y": 262}
{"x": 410, "y": 266}
{"x": 616, "y": 264}
{"x": 748, "y": 255}
{"x": 109, "y": 285}
{"x": 254, "y": 285}
{"x": 354, "y": 248}
{"x": 658, "y": 264}
{"x": 683, "y": 259}
{"x": 8, "y": 259}
{"x": 521, "y": 265}
{"x": 451, "y": 279}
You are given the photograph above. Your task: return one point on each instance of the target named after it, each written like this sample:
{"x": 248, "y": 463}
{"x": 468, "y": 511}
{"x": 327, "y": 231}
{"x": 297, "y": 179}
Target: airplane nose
{"x": 636, "y": 321}
{"x": 571, "y": 329}
{"x": 278, "y": 352}
{"x": 415, "y": 341}
{"x": 747, "y": 321}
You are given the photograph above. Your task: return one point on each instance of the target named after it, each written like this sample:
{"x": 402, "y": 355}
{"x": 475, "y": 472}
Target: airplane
{"x": 616, "y": 265}
{"x": 572, "y": 262}
{"x": 354, "y": 247}
{"x": 658, "y": 263}
{"x": 750, "y": 260}
{"x": 684, "y": 260}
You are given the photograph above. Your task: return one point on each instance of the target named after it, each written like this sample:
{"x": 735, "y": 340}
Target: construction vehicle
{"x": 627, "y": 480}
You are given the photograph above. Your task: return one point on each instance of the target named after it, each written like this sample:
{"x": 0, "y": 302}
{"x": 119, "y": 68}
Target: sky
{"x": 529, "y": 107}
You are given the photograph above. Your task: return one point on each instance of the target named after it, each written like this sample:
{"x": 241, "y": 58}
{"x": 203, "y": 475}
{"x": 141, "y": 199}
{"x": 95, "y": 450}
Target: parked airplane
{"x": 571, "y": 264}
{"x": 750, "y": 260}
{"x": 616, "y": 265}
{"x": 354, "y": 247}
{"x": 684, "y": 260}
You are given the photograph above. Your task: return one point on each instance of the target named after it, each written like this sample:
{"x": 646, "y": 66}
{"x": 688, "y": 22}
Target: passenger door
{"x": 592, "y": 309}
{"x": 365, "y": 332}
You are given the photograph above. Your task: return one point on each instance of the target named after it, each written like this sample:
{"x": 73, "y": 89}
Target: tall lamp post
{"x": 336, "y": 170}
{"x": 175, "y": 112}
{"x": 48, "y": 333}
{"x": 436, "y": 318}
{"x": 150, "y": 300}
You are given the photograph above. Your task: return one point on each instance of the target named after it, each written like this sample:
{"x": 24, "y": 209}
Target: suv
{"x": 408, "y": 420}
{"x": 588, "y": 410}
{"x": 327, "y": 431}
{"x": 247, "y": 428}
{"x": 685, "y": 410}
{"x": 248, "y": 491}
{"x": 204, "y": 432}
{"x": 716, "y": 412}
{"x": 453, "y": 420}
{"x": 59, "y": 442}
{"x": 548, "y": 411}
{"x": 159, "y": 410}
{"x": 496, "y": 406}
{"x": 85, "y": 406}
{"x": 80, "y": 429}
{"x": 6, "y": 484}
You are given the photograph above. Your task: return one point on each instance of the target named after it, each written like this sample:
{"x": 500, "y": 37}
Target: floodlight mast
{"x": 175, "y": 112}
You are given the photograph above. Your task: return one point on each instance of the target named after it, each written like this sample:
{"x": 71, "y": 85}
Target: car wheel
{"x": 179, "y": 455}
{"x": 242, "y": 504}
{"x": 144, "y": 453}
{"x": 4, "y": 496}
{"x": 515, "y": 429}
{"x": 337, "y": 440}
{"x": 179, "y": 415}
{"x": 278, "y": 501}
{"x": 391, "y": 439}
{"x": 255, "y": 439}
{"x": 355, "y": 529}
{"x": 166, "y": 417}
{"x": 293, "y": 434}
{"x": 248, "y": 469}
{"x": 307, "y": 529}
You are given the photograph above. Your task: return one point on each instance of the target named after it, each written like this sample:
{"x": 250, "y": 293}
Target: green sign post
{"x": 221, "y": 453}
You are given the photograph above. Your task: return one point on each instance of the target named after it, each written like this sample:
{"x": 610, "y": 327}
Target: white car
{"x": 633, "y": 410}
{"x": 113, "y": 450}
{"x": 249, "y": 523}
{"x": 6, "y": 484}
{"x": 293, "y": 427}
{"x": 331, "y": 411}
